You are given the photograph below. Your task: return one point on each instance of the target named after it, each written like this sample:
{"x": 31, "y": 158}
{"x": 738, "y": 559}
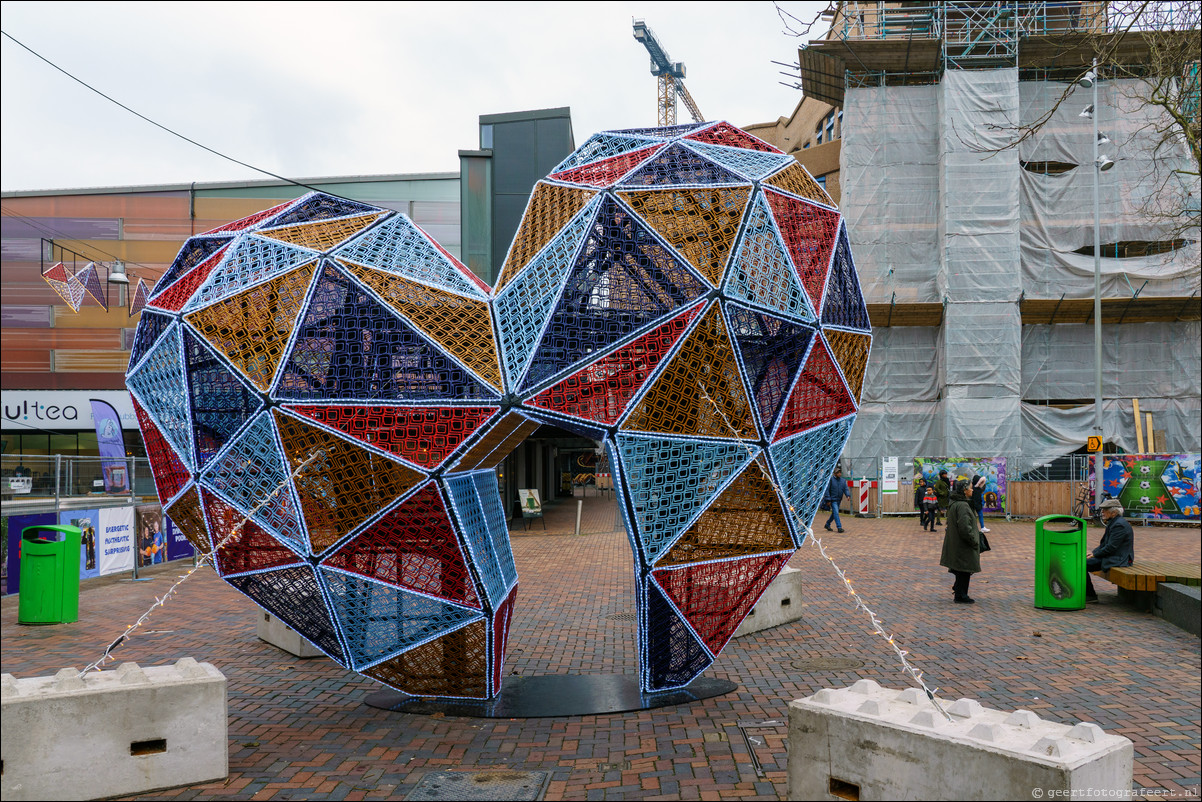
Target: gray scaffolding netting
{"x": 942, "y": 207}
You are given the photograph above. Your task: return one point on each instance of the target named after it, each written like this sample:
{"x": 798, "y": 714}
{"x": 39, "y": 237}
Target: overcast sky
{"x": 310, "y": 90}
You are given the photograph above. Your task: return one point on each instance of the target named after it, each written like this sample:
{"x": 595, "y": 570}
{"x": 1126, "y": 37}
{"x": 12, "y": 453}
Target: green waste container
{"x": 49, "y": 589}
{"x": 1060, "y": 562}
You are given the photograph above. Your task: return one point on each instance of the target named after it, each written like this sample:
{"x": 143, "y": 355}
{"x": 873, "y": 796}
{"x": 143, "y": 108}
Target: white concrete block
{"x": 780, "y": 604}
{"x": 113, "y": 733}
{"x": 280, "y": 635}
{"x": 867, "y": 742}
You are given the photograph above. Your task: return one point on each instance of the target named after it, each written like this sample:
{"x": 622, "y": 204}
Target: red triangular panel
{"x": 500, "y": 636}
{"x": 810, "y": 233}
{"x": 174, "y": 297}
{"x": 242, "y": 550}
{"x": 819, "y": 395}
{"x": 170, "y": 474}
{"x": 726, "y": 134}
{"x": 247, "y": 222}
{"x": 605, "y": 172}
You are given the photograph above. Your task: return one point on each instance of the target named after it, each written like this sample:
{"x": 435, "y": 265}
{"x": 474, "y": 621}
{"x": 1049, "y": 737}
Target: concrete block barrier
{"x": 780, "y": 604}
{"x": 280, "y": 635}
{"x": 112, "y": 733}
{"x": 867, "y": 742}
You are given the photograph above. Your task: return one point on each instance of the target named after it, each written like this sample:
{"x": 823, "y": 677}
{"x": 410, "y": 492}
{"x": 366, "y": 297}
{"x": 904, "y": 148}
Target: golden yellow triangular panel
{"x": 796, "y": 180}
{"x": 851, "y": 350}
{"x": 704, "y": 366}
{"x": 461, "y": 326}
{"x": 344, "y": 485}
{"x": 699, "y": 223}
{"x": 745, "y": 519}
{"x": 188, "y": 517}
{"x": 324, "y": 234}
{"x": 549, "y": 210}
{"x": 252, "y": 327}
{"x": 453, "y": 665}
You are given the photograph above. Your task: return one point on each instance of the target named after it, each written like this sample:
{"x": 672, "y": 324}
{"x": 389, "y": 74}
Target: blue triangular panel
{"x": 294, "y": 596}
{"x": 398, "y": 246}
{"x": 678, "y": 166}
{"x": 602, "y": 146}
{"x": 771, "y": 350}
{"x": 474, "y": 526}
{"x": 760, "y": 272}
{"x": 221, "y": 401}
{"x": 161, "y": 389}
{"x": 251, "y": 260}
{"x": 751, "y": 164}
{"x": 844, "y": 304}
{"x": 803, "y": 466}
{"x": 672, "y": 655}
{"x": 150, "y": 328}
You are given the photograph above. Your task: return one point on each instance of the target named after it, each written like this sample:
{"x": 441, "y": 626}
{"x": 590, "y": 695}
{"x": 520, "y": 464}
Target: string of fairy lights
{"x": 205, "y": 559}
{"x": 907, "y": 667}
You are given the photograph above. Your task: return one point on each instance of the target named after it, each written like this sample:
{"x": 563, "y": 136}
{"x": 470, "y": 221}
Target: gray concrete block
{"x": 1180, "y": 605}
{"x": 113, "y": 733}
{"x": 780, "y": 604}
{"x": 280, "y": 635}
{"x": 867, "y": 742}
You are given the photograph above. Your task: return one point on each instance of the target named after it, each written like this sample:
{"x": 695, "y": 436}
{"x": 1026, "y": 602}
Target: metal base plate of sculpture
{"x": 325, "y": 371}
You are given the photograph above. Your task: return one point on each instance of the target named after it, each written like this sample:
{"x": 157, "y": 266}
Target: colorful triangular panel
{"x": 170, "y": 473}
{"x": 724, "y": 133}
{"x": 158, "y": 384}
{"x": 149, "y": 330}
{"x": 243, "y": 546}
{"x": 551, "y": 207}
{"x": 319, "y": 206}
{"x": 809, "y": 233}
{"x": 188, "y": 517}
{"x": 602, "y": 146}
{"x": 322, "y": 235}
{"x": 797, "y": 181}
{"x": 138, "y": 298}
{"x": 851, "y": 350}
{"x": 760, "y": 272}
{"x": 399, "y": 247}
{"x": 195, "y": 251}
{"x": 173, "y": 298}
{"x": 771, "y": 350}
{"x": 844, "y": 304}
{"x": 493, "y": 567}
{"x": 677, "y": 165}
{"x": 294, "y": 596}
{"x": 803, "y": 465}
{"x": 748, "y": 164}
{"x": 672, "y": 656}
{"x": 818, "y": 396}
{"x": 221, "y": 401}
{"x": 606, "y": 172}
{"x": 91, "y": 283}
{"x": 701, "y": 224}
{"x": 422, "y": 671}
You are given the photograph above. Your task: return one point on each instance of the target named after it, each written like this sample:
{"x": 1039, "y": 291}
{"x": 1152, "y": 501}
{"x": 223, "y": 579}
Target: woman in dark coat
{"x": 961, "y": 542}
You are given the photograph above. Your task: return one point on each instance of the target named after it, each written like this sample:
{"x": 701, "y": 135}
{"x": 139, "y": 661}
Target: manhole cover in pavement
{"x": 621, "y": 617}
{"x": 521, "y": 786}
{"x": 827, "y": 664}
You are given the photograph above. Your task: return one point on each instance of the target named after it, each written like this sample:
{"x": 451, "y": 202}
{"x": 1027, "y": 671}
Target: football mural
{"x": 328, "y": 373}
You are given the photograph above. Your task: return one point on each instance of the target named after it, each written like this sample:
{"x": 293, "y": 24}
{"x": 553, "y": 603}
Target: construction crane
{"x": 671, "y": 77}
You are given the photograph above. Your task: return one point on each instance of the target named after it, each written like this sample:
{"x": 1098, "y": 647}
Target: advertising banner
{"x": 178, "y": 545}
{"x": 992, "y": 468}
{"x": 13, "y": 564}
{"x": 889, "y": 475}
{"x": 111, "y": 443}
{"x": 117, "y": 540}
{"x": 152, "y": 538}
{"x": 1162, "y": 486}
{"x": 89, "y": 549}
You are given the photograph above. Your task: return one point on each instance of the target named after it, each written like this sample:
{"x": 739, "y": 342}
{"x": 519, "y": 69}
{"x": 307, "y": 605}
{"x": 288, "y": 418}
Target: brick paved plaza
{"x": 298, "y": 729}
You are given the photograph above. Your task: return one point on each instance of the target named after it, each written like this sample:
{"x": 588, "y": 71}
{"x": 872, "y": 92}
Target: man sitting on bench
{"x": 1116, "y": 549}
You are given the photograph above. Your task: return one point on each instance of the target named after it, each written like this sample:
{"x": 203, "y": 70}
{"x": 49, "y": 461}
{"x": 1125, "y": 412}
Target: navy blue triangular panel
{"x": 844, "y": 305}
{"x": 672, "y": 656}
{"x": 379, "y": 620}
{"x": 604, "y": 145}
{"x": 294, "y": 596}
{"x": 676, "y": 166}
{"x": 150, "y": 328}
{"x": 772, "y": 351}
{"x": 803, "y": 466}
{"x": 317, "y": 206}
{"x": 221, "y": 401}
{"x": 351, "y": 347}
{"x": 584, "y": 428}
{"x": 195, "y": 251}
{"x": 623, "y": 279}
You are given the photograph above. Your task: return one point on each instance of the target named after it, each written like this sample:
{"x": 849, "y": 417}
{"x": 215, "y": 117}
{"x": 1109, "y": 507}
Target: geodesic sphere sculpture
{"x": 328, "y": 373}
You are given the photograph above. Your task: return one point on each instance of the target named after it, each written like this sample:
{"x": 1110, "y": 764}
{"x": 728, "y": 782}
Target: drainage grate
{"x": 621, "y": 617}
{"x": 827, "y": 664}
{"x": 520, "y": 786}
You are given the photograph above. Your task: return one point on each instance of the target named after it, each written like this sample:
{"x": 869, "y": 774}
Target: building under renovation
{"x": 967, "y": 176}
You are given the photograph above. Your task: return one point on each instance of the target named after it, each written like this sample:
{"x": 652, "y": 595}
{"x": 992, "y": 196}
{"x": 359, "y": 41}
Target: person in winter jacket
{"x": 930, "y": 508}
{"x": 943, "y": 487}
{"x": 977, "y": 502}
{"x": 836, "y": 489}
{"x": 961, "y": 542}
{"x": 1116, "y": 549}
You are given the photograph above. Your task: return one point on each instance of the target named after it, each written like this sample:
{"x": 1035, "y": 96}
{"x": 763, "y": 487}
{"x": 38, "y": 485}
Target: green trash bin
{"x": 49, "y": 589}
{"x": 1060, "y": 562}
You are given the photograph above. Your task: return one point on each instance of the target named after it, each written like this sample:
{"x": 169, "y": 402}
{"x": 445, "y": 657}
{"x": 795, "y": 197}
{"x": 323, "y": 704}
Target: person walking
{"x": 961, "y": 542}
{"x": 978, "y": 499}
{"x": 1116, "y": 548}
{"x": 930, "y": 507}
{"x": 943, "y": 487}
{"x": 836, "y": 489}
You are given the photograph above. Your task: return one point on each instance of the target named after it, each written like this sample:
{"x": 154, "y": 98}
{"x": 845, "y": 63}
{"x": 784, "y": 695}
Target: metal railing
{"x": 968, "y": 22}
{"x": 41, "y": 479}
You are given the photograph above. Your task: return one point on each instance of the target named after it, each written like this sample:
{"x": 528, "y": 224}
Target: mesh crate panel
{"x": 818, "y": 396}
{"x": 194, "y": 251}
{"x": 760, "y": 272}
{"x": 500, "y": 637}
{"x": 244, "y": 547}
{"x": 677, "y": 165}
{"x": 550, "y": 208}
{"x": 699, "y": 223}
{"x": 344, "y": 486}
{"x": 669, "y": 482}
{"x": 771, "y": 351}
{"x": 473, "y": 524}
{"x": 745, "y": 519}
{"x": 173, "y": 298}
{"x": 150, "y": 328}
{"x": 601, "y": 391}
{"x": 248, "y": 261}
{"x": 251, "y": 473}
{"x": 844, "y": 301}
{"x": 252, "y": 221}
{"x": 606, "y": 172}
{"x": 462, "y": 327}
{"x": 523, "y": 307}
{"x": 252, "y": 328}
{"x": 399, "y": 247}
{"x": 412, "y": 546}
{"x": 667, "y": 132}
{"x": 455, "y": 665}
{"x": 498, "y": 528}
{"x": 318, "y": 206}
{"x": 809, "y": 234}
{"x": 188, "y": 516}
{"x": 724, "y": 133}
{"x": 351, "y": 347}
{"x": 137, "y": 301}
{"x": 670, "y": 652}
{"x": 675, "y": 403}
{"x": 747, "y": 164}
{"x": 221, "y": 402}
{"x": 851, "y": 351}
{"x": 380, "y": 620}
{"x": 68, "y": 287}
{"x": 716, "y": 597}
{"x": 603, "y": 146}
{"x": 324, "y": 235}
{"x": 294, "y": 596}
{"x": 496, "y": 444}
{"x": 170, "y": 473}
{"x": 158, "y": 383}
{"x": 424, "y": 436}
{"x": 623, "y": 280}
{"x": 803, "y": 466}
{"x": 91, "y": 283}
{"x": 796, "y": 180}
